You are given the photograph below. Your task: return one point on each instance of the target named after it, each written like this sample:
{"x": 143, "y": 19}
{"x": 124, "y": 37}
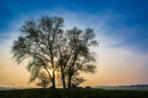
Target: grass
{"x": 73, "y": 93}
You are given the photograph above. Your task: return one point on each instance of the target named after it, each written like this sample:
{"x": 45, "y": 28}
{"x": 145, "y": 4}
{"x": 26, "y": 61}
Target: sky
{"x": 121, "y": 28}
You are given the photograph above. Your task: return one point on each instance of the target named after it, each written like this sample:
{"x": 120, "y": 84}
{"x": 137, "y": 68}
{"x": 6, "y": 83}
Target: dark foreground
{"x": 72, "y": 93}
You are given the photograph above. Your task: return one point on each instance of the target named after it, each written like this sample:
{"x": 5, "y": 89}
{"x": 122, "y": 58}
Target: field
{"x": 73, "y": 93}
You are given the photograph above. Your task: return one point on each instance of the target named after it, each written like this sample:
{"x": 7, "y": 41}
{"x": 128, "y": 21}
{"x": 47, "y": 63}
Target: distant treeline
{"x": 139, "y": 85}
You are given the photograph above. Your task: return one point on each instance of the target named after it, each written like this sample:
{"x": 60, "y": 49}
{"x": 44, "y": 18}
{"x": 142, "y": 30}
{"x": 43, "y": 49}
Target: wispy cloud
{"x": 118, "y": 62}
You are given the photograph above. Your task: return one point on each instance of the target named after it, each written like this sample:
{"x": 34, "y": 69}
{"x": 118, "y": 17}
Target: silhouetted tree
{"x": 80, "y": 57}
{"x": 39, "y": 42}
{"x": 49, "y": 48}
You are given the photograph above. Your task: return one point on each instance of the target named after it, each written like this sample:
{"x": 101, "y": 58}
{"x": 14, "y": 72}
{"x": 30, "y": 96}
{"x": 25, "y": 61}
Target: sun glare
{"x": 50, "y": 71}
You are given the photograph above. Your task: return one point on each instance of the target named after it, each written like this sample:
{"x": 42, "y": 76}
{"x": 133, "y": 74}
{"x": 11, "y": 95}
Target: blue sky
{"x": 130, "y": 25}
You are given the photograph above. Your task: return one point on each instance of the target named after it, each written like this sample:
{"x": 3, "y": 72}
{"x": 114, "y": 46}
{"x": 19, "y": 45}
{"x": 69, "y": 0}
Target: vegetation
{"x": 73, "y": 93}
{"x": 54, "y": 51}
{"x": 44, "y": 80}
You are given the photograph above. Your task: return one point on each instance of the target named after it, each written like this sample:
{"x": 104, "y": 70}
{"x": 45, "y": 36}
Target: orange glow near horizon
{"x": 118, "y": 66}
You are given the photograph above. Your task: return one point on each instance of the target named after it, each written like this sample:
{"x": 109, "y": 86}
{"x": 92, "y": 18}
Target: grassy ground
{"x": 73, "y": 93}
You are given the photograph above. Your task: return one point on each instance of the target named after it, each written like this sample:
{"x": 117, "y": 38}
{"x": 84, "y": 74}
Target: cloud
{"x": 117, "y": 63}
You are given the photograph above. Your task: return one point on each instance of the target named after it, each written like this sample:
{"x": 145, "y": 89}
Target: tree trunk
{"x": 63, "y": 79}
{"x": 63, "y": 76}
{"x": 69, "y": 81}
{"x": 53, "y": 81}
{"x": 71, "y": 71}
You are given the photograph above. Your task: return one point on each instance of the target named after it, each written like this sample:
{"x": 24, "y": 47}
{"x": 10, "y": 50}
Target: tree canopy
{"x": 50, "y": 49}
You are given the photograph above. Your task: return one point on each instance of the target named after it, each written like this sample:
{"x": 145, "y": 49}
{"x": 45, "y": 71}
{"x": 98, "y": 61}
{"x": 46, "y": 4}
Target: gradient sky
{"x": 121, "y": 27}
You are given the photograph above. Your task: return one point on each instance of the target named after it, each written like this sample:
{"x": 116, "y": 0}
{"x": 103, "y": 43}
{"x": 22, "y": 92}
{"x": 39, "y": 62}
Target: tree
{"x": 38, "y": 42}
{"x": 75, "y": 56}
{"x": 50, "y": 49}
{"x": 80, "y": 57}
